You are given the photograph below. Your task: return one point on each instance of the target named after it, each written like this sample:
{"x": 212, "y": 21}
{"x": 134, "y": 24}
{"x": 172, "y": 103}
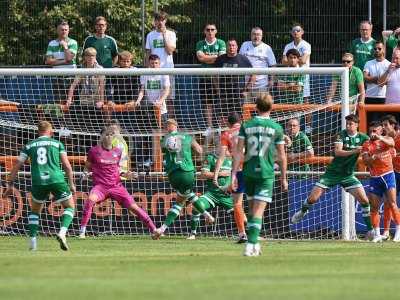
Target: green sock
{"x": 173, "y": 213}
{"x": 33, "y": 226}
{"x": 66, "y": 218}
{"x": 254, "y": 228}
{"x": 366, "y": 215}
{"x": 194, "y": 221}
{"x": 198, "y": 203}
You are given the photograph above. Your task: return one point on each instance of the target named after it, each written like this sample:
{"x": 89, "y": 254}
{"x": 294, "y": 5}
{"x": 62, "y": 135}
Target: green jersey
{"x": 218, "y": 47}
{"x": 106, "y": 48}
{"x": 345, "y": 165}
{"x": 292, "y": 97}
{"x": 300, "y": 143}
{"x": 391, "y": 43}
{"x": 44, "y": 153}
{"x": 356, "y": 77}
{"x": 209, "y": 165}
{"x": 362, "y": 51}
{"x": 177, "y": 150}
{"x": 55, "y": 50}
{"x": 260, "y": 135}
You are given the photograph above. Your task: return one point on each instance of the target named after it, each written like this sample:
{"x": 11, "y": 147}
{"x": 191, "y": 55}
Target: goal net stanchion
{"x": 29, "y": 95}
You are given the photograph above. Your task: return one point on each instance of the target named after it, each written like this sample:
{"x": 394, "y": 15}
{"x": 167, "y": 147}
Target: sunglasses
{"x": 296, "y": 30}
{"x": 378, "y": 49}
{"x": 346, "y": 61}
{"x": 210, "y": 29}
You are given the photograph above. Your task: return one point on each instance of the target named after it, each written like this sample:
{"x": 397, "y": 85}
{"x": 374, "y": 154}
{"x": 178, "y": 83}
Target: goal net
{"x": 80, "y": 102}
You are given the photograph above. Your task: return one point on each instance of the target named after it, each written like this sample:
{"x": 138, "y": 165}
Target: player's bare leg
{"x": 313, "y": 198}
{"x": 390, "y": 198}
{"x": 360, "y": 195}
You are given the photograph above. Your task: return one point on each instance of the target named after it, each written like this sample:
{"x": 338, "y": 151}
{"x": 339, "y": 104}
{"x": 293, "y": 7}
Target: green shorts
{"x": 217, "y": 199}
{"x": 182, "y": 182}
{"x": 259, "y": 188}
{"x": 329, "y": 180}
{"x": 60, "y": 191}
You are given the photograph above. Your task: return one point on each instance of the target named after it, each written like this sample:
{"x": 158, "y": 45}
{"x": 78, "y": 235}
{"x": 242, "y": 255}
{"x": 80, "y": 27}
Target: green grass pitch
{"x": 174, "y": 268}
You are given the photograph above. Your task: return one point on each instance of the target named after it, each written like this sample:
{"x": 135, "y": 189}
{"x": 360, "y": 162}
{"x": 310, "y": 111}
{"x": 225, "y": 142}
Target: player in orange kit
{"x": 390, "y": 126}
{"x": 228, "y": 143}
{"x": 377, "y": 154}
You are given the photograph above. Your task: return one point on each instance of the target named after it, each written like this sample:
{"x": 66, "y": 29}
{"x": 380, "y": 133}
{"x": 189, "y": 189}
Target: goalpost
{"x": 199, "y": 98}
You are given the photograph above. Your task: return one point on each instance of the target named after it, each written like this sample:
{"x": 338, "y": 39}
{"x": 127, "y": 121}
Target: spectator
{"x": 105, "y": 45}
{"x": 124, "y": 88}
{"x": 363, "y": 48}
{"x": 391, "y": 78}
{"x": 61, "y": 53}
{"x": 291, "y": 85}
{"x": 391, "y": 39}
{"x": 156, "y": 88}
{"x": 230, "y": 87}
{"x": 356, "y": 80}
{"x": 373, "y": 69}
{"x": 304, "y": 49}
{"x": 261, "y": 56}
{"x": 91, "y": 96}
{"x": 299, "y": 148}
{"x": 162, "y": 42}
{"x": 207, "y": 52}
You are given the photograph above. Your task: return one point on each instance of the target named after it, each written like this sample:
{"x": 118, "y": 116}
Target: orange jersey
{"x": 229, "y": 139}
{"x": 396, "y": 159}
{"x": 382, "y": 154}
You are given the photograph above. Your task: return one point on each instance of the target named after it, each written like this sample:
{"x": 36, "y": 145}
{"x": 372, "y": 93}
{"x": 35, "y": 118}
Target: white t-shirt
{"x": 303, "y": 47}
{"x": 393, "y": 87}
{"x": 153, "y": 87}
{"x": 260, "y": 56}
{"x": 155, "y": 43}
{"x": 376, "y": 69}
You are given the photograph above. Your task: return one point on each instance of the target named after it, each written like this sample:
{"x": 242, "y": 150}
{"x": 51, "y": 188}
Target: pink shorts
{"x": 117, "y": 193}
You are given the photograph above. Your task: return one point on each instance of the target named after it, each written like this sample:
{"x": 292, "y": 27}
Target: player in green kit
{"x": 262, "y": 140}
{"x": 215, "y": 196}
{"x": 341, "y": 171}
{"x": 177, "y": 150}
{"x": 46, "y": 154}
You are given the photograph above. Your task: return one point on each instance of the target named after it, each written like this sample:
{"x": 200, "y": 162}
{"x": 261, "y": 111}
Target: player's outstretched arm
{"x": 340, "y": 152}
{"x": 196, "y": 147}
{"x": 282, "y": 162}
{"x": 12, "y": 177}
{"x": 68, "y": 170}
{"x": 218, "y": 164}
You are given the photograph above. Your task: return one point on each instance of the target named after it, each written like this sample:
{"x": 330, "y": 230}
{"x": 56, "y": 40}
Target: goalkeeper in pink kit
{"x": 103, "y": 161}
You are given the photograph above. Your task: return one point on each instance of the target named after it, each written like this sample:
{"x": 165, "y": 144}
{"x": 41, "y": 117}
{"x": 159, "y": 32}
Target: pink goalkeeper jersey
{"x": 105, "y": 165}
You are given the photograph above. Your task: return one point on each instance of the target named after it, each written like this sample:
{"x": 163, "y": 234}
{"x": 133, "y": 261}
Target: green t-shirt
{"x": 356, "y": 77}
{"x": 216, "y": 48}
{"x": 300, "y": 143}
{"x": 261, "y": 135}
{"x": 291, "y": 97}
{"x": 345, "y": 165}
{"x": 177, "y": 150}
{"x": 209, "y": 165}
{"x": 391, "y": 43}
{"x": 106, "y": 48}
{"x": 56, "y": 51}
{"x": 44, "y": 153}
{"x": 362, "y": 52}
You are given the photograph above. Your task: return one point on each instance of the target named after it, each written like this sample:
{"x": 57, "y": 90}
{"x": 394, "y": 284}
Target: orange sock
{"x": 239, "y": 217}
{"x": 387, "y": 216}
{"x": 395, "y": 214}
{"x": 375, "y": 219}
